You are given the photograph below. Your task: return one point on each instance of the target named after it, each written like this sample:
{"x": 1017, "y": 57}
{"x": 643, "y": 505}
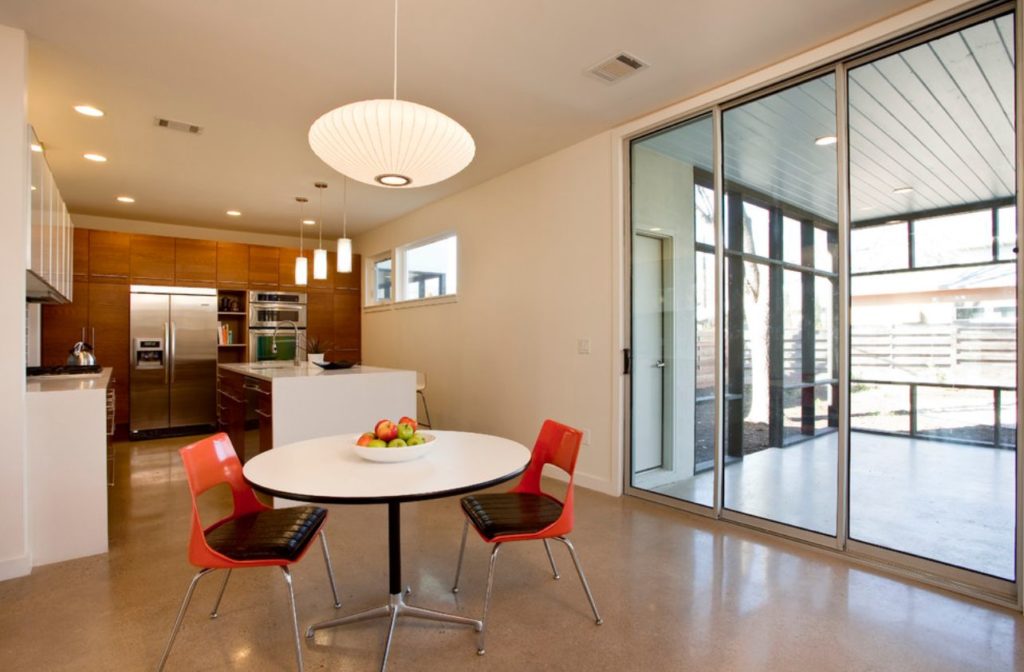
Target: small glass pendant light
{"x": 301, "y": 263}
{"x": 320, "y": 254}
{"x": 344, "y": 244}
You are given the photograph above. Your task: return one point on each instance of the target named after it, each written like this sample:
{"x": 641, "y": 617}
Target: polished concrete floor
{"x": 676, "y": 592}
{"x": 939, "y": 500}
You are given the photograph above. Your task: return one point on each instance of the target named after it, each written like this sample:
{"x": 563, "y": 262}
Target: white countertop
{"x": 303, "y": 370}
{"x": 72, "y": 383}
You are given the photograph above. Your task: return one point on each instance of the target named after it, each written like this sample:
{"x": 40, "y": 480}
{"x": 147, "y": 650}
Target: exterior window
{"x": 428, "y": 269}
{"x": 379, "y": 281}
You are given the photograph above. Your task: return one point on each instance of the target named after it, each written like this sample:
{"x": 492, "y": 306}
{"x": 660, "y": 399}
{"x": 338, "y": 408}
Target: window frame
{"x": 398, "y": 269}
{"x": 370, "y": 299}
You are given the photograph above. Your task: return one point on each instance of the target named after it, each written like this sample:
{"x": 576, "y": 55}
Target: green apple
{"x": 416, "y": 440}
{"x": 377, "y": 443}
{"x": 397, "y": 443}
{"x": 405, "y": 431}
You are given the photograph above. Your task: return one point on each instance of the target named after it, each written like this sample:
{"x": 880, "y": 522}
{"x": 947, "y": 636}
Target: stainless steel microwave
{"x": 273, "y": 309}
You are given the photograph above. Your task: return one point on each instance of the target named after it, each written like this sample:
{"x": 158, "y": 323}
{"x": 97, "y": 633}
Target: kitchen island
{"x": 294, "y": 403}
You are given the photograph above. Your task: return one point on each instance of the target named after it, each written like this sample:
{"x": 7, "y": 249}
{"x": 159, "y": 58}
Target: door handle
{"x": 166, "y": 341}
{"x": 660, "y": 364}
{"x": 174, "y": 349}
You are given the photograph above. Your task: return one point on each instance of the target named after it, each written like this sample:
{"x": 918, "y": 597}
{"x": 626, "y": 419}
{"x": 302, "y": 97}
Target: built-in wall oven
{"x": 271, "y": 309}
{"x": 277, "y": 326}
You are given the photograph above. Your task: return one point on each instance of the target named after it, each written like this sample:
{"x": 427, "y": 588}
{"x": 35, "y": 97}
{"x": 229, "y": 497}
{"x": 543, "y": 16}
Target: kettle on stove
{"x": 81, "y": 355}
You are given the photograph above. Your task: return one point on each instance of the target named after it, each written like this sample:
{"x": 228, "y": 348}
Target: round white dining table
{"x": 327, "y": 470}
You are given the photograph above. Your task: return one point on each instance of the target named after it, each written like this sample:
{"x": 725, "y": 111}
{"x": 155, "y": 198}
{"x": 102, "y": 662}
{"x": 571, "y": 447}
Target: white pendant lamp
{"x": 344, "y": 255}
{"x": 320, "y": 254}
{"x": 301, "y": 263}
{"x": 392, "y": 143}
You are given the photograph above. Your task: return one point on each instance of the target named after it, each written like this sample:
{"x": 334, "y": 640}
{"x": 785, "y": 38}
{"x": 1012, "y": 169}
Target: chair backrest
{"x": 208, "y": 463}
{"x": 556, "y": 444}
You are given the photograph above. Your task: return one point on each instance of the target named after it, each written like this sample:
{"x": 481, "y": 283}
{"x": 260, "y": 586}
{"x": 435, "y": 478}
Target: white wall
{"x": 15, "y": 558}
{"x": 535, "y": 250}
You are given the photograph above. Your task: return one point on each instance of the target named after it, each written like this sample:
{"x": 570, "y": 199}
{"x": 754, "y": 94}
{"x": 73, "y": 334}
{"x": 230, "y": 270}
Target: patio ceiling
{"x": 937, "y": 118}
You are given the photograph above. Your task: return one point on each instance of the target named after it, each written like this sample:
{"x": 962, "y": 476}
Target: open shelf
{"x": 231, "y": 314}
{"x": 231, "y": 345}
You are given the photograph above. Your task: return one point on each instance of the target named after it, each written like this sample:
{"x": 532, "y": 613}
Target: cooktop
{"x": 66, "y": 370}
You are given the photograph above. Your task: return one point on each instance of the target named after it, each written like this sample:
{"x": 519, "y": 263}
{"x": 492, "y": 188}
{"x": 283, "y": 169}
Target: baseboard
{"x": 583, "y": 480}
{"x": 12, "y": 568}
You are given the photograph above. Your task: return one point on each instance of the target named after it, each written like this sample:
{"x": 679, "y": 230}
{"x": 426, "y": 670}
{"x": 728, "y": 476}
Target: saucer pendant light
{"x": 320, "y": 254}
{"x": 392, "y": 143}
{"x": 301, "y": 263}
{"x": 344, "y": 244}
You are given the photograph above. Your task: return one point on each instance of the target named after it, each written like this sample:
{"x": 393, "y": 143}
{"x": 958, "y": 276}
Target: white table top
{"x": 328, "y": 470}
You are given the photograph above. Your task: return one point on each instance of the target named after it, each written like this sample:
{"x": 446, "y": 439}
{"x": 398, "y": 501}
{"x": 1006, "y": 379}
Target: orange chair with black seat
{"x": 254, "y": 535}
{"x": 527, "y": 513}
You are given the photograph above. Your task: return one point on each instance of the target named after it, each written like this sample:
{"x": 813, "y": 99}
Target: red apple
{"x": 386, "y": 430}
{"x": 365, "y": 439}
{"x": 406, "y": 420}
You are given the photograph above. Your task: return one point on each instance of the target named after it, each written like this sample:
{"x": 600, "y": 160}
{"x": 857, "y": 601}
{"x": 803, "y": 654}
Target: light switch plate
{"x": 583, "y": 346}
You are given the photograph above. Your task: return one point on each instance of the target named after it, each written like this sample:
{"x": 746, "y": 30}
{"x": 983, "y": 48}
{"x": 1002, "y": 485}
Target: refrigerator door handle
{"x": 174, "y": 353}
{"x": 166, "y": 341}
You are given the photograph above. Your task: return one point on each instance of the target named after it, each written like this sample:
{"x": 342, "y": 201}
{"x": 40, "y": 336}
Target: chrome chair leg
{"x": 426, "y": 409}
{"x": 220, "y": 595}
{"x": 330, "y": 568}
{"x": 181, "y": 615}
{"x": 583, "y": 578}
{"x": 462, "y": 551}
{"x": 480, "y": 649}
{"x": 551, "y": 559}
{"x": 295, "y": 616}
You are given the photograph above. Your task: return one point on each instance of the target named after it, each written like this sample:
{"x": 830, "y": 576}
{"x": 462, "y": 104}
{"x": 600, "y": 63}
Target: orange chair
{"x": 527, "y": 513}
{"x": 254, "y": 535}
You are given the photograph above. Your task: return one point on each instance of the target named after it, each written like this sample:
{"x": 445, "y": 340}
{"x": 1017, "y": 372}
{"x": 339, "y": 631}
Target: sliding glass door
{"x": 855, "y": 233}
{"x": 933, "y": 320}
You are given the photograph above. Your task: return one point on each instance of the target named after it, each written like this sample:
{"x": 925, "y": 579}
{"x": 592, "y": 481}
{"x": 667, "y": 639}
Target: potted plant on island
{"x": 315, "y": 349}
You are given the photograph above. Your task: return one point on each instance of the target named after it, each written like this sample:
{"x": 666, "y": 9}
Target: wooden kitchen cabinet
{"x": 259, "y": 391}
{"x": 353, "y": 279}
{"x": 264, "y": 267}
{"x": 64, "y": 324}
{"x": 231, "y": 408}
{"x": 80, "y": 254}
{"x": 286, "y": 267}
{"x": 109, "y": 256}
{"x": 232, "y": 265}
{"x": 347, "y": 326}
{"x": 195, "y": 262}
{"x": 320, "y": 318}
{"x": 109, "y": 307}
{"x": 151, "y": 260}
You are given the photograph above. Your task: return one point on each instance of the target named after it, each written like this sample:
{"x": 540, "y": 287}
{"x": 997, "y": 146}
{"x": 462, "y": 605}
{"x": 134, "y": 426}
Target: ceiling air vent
{"x": 617, "y": 67}
{"x": 182, "y": 126}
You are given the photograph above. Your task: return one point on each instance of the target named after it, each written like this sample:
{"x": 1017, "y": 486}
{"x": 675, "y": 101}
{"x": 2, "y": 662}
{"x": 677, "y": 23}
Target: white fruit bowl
{"x": 395, "y": 454}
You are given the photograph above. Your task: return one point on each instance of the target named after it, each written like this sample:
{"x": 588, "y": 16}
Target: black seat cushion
{"x": 278, "y": 534}
{"x": 497, "y": 515}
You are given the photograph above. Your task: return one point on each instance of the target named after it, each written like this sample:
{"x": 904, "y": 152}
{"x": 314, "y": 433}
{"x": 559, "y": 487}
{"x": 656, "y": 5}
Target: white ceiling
{"x": 255, "y": 73}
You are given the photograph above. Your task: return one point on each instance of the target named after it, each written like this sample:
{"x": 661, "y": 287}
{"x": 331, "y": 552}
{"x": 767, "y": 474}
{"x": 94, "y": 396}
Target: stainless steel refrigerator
{"x": 174, "y": 358}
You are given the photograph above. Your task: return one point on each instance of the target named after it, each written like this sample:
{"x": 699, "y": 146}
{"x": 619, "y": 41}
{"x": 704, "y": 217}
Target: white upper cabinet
{"x": 50, "y": 234}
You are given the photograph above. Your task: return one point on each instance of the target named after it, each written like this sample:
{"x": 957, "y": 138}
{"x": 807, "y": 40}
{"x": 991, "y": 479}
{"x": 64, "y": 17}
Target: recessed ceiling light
{"x": 126, "y": 199}
{"x": 89, "y": 110}
{"x": 309, "y": 222}
{"x": 98, "y": 158}
{"x": 234, "y": 213}
{"x": 825, "y": 140}
{"x": 36, "y": 147}
{"x": 902, "y": 190}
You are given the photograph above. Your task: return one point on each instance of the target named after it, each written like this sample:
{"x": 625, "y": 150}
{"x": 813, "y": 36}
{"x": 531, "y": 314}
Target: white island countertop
{"x": 279, "y": 371}
{"x": 70, "y": 383}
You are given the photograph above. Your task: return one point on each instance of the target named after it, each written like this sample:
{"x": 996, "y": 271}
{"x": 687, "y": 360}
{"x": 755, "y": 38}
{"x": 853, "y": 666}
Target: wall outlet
{"x": 583, "y": 346}
{"x": 586, "y": 437}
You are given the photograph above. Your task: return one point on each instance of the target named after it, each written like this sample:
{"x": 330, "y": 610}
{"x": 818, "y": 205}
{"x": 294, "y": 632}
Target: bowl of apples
{"x": 393, "y": 442}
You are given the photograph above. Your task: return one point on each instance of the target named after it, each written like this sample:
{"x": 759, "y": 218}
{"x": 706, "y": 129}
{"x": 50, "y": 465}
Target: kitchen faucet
{"x": 273, "y": 338}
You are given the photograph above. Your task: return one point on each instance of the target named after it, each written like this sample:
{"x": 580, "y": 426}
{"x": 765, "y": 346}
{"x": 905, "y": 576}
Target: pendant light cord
{"x": 320, "y": 244}
{"x": 344, "y": 208}
{"x": 301, "y": 210}
{"x": 395, "y": 82}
